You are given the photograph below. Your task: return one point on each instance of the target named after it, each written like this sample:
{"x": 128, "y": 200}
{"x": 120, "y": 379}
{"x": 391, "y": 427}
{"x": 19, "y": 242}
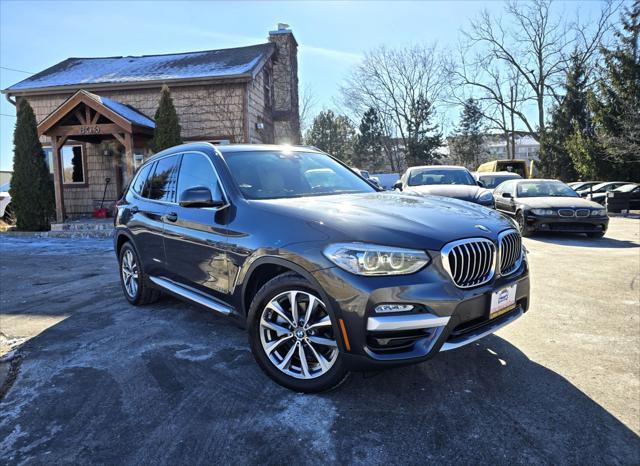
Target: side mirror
{"x": 480, "y": 183}
{"x": 507, "y": 195}
{"x": 397, "y": 185}
{"x": 199, "y": 196}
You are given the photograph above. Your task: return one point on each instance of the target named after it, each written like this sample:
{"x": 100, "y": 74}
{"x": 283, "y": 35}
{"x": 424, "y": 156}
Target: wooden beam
{"x": 128, "y": 156}
{"x": 58, "y": 178}
{"x": 87, "y": 114}
{"x": 94, "y": 120}
{"x": 80, "y": 117}
{"x": 120, "y": 138}
{"x": 85, "y": 130}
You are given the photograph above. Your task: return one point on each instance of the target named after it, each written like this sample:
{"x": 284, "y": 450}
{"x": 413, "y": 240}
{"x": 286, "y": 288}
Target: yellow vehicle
{"x": 515, "y": 166}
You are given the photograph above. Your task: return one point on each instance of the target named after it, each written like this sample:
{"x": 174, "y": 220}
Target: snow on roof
{"x": 125, "y": 111}
{"x": 206, "y": 64}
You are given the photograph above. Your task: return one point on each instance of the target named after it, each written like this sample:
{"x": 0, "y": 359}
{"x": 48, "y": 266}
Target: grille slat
{"x": 473, "y": 262}
{"x": 583, "y": 212}
{"x": 470, "y": 262}
{"x": 510, "y": 246}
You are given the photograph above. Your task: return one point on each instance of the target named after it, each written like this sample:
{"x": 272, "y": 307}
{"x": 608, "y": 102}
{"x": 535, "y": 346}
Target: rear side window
{"x": 140, "y": 185}
{"x": 164, "y": 181}
{"x": 196, "y": 171}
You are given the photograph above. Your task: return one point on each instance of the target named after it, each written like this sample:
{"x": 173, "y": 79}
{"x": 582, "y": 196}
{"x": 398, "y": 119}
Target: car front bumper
{"x": 444, "y": 317}
{"x": 567, "y": 224}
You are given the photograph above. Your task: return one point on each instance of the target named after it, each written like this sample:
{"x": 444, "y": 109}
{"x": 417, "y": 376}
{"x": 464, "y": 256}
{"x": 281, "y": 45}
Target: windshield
{"x": 283, "y": 174}
{"x": 427, "y": 176}
{"x": 4, "y": 187}
{"x": 492, "y": 181}
{"x": 603, "y": 186}
{"x": 545, "y": 189}
{"x": 627, "y": 188}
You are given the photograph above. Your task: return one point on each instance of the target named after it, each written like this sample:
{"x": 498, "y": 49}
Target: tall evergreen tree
{"x": 618, "y": 105}
{"x": 167, "y": 132}
{"x": 468, "y": 138}
{"x": 568, "y": 141}
{"x": 333, "y": 134}
{"x": 31, "y": 189}
{"x": 368, "y": 151}
{"x": 422, "y": 137}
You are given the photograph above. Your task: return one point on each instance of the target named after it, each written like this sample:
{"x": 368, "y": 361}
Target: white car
{"x": 5, "y": 199}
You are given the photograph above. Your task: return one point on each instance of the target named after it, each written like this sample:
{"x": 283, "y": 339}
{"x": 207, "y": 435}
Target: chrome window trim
{"x": 518, "y": 262}
{"x": 444, "y": 254}
{"x": 154, "y": 159}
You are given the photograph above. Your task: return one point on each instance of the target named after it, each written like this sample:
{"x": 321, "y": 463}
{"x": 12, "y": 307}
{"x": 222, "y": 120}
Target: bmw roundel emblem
{"x": 482, "y": 227}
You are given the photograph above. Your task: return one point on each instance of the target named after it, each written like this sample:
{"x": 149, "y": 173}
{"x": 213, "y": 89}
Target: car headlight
{"x": 485, "y": 197}
{"x": 372, "y": 259}
{"x": 599, "y": 212}
{"x": 543, "y": 212}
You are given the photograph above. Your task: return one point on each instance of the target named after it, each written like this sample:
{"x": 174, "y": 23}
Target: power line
{"x": 13, "y": 69}
{"x": 6, "y": 114}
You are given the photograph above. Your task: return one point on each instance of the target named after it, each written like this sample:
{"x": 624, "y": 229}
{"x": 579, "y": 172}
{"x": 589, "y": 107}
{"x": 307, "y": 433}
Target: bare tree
{"x": 403, "y": 86}
{"x": 535, "y": 46}
{"x": 308, "y": 102}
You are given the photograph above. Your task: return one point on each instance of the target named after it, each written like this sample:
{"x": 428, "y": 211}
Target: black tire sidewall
{"x": 272, "y": 288}
{"x": 524, "y": 231}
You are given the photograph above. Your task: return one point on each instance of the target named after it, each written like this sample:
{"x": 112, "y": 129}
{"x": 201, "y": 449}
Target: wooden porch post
{"x": 56, "y": 145}
{"x": 128, "y": 155}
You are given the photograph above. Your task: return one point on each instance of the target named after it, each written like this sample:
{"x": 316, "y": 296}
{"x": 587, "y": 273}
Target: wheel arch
{"x": 264, "y": 269}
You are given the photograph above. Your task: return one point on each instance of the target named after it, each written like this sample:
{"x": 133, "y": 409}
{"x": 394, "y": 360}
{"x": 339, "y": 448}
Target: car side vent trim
{"x": 191, "y": 295}
{"x": 509, "y": 251}
{"x": 470, "y": 262}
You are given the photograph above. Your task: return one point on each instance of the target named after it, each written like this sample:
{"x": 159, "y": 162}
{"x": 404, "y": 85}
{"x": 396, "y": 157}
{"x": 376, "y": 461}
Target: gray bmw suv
{"x": 328, "y": 274}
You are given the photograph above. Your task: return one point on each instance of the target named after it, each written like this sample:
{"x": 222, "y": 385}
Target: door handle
{"x": 171, "y": 216}
{"x": 134, "y": 209}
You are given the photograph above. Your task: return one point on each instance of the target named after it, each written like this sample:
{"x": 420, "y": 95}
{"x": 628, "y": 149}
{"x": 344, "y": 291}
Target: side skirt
{"x": 192, "y": 295}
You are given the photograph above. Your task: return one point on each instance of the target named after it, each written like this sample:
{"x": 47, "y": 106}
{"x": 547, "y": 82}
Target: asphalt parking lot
{"x": 99, "y": 381}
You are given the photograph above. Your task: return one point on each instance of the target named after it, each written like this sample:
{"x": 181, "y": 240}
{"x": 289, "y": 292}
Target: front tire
{"x": 135, "y": 283}
{"x": 522, "y": 224}
{"x": 293, "y": 336}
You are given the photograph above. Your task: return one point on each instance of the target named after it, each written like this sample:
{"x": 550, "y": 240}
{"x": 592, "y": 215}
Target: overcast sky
{"x": 332, "y": 35}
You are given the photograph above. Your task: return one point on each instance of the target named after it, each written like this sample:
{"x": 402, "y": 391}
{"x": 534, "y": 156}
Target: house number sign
{"x": 89, "y": 129}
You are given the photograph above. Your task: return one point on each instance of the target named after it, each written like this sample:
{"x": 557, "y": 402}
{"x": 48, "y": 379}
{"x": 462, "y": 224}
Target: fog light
{"x": 388, "y": 308}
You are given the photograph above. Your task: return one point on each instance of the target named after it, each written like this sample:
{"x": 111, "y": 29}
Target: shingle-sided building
{"x": 95, "y": 115}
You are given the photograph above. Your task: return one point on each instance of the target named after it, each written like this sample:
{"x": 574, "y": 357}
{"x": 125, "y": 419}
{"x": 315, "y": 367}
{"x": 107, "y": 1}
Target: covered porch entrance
{"x": 105, "y": 135}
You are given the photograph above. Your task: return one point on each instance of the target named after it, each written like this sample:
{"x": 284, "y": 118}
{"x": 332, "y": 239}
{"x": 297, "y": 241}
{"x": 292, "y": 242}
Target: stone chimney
{"x": 286, "y": 112}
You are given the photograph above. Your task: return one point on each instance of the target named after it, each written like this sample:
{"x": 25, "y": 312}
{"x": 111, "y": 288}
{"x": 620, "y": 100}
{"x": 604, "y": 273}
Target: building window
{"x": 267, "y": 88}
{"x": 72, "y": 165}
{"x": 48, "y": 158}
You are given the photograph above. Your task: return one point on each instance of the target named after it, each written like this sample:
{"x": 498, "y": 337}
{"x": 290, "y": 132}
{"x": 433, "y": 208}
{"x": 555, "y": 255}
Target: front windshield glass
{"x": 492, "y": 181}
{"x": 4, "y": 187}
{"x": 545, "y": 189}
{"x": 284, "y": 174}
{"x": 428, "y": 176}
{"x": 627, "y": 188}
{"x": 599, "y": 187}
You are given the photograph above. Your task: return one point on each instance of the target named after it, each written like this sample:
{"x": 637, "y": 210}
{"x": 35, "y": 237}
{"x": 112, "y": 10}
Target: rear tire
{"x": 301, "y": 355}
{"x": 135, "y": 283}
{"x": 9, "y": 217}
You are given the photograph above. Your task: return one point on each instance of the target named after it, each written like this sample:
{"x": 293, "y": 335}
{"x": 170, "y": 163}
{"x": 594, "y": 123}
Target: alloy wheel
{"x": 129, "y": 269}
{"x": 297, "y": 335}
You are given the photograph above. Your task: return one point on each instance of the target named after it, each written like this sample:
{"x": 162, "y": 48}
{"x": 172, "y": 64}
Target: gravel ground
{"x": 100, "y": 381}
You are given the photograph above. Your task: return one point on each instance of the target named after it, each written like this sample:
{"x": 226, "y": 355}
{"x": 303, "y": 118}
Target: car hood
{"x": 457, "y": 191}
{"x": 558, "y": 202}
{"x": 391, "y": 218}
